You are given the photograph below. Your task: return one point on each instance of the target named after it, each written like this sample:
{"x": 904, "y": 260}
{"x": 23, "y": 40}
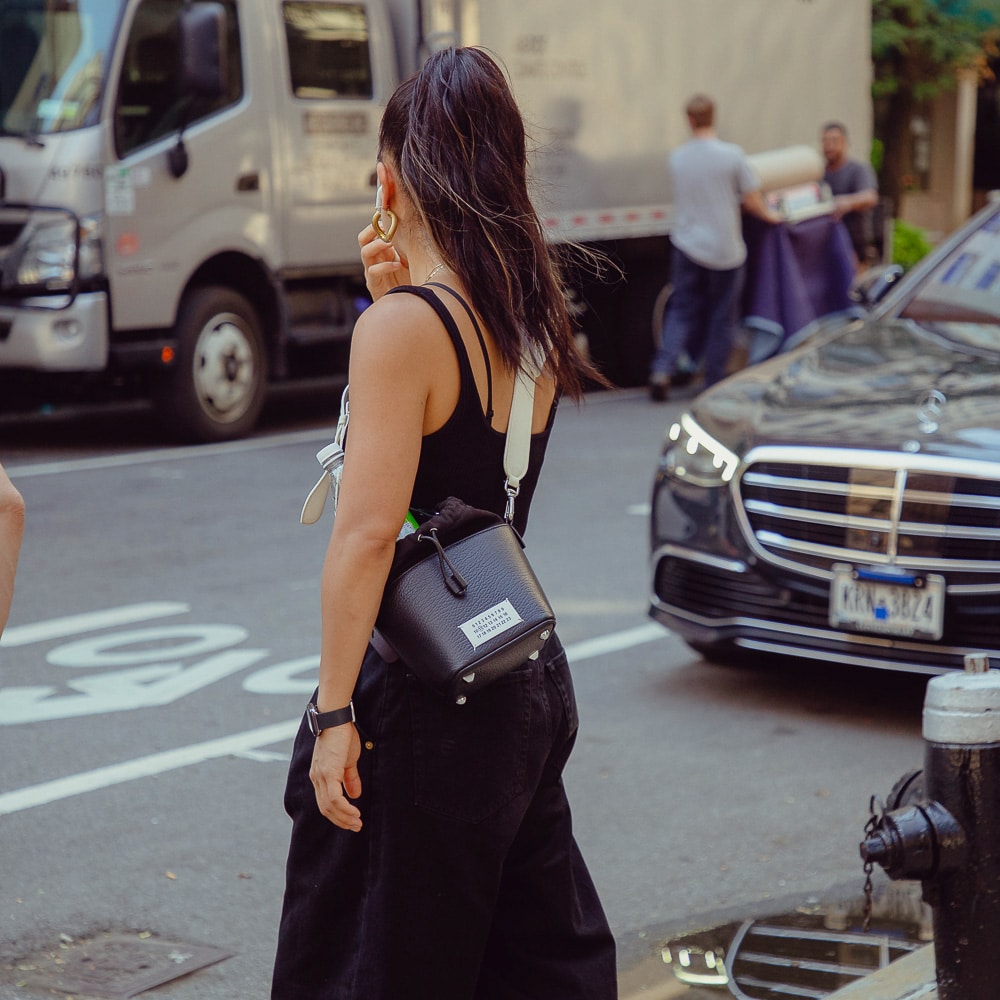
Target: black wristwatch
{"x": 318, "y": 721}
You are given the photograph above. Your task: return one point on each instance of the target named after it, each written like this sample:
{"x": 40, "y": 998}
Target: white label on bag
{"x": 491, "y": 622}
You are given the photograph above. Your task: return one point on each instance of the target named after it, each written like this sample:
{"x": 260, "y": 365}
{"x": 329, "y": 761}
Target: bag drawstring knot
{"x": 454, "y": 580}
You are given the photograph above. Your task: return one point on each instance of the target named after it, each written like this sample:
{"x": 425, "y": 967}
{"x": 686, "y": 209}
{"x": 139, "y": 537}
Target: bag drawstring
{"x": 454, "y": 580}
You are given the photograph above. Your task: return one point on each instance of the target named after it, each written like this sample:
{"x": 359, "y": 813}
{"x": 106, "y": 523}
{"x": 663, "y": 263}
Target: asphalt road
{"x": 163, "y": 643}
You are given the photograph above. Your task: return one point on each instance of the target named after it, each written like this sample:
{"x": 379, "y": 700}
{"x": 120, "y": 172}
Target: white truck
{"x": 182, "y": 181}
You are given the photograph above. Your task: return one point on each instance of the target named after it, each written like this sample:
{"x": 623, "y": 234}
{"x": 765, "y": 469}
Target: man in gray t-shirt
{"x": 712, "y": 181}
{"x": 855, "y": 192}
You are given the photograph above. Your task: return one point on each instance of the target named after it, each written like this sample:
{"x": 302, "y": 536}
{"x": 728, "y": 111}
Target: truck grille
{"x": 873, "y": 508}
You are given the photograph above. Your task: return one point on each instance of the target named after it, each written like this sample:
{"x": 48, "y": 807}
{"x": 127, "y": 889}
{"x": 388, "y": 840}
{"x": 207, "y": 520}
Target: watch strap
{"x": 318, "y": 721}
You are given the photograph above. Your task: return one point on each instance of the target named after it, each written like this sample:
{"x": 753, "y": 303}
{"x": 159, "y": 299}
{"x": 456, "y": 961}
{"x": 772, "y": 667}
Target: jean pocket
{"x": 470, "y": 760}
{"x": 558, "y": 668}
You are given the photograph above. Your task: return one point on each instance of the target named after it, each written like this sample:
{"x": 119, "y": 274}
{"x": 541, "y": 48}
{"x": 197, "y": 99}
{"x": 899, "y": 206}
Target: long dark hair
{"x": 457, "y": 138}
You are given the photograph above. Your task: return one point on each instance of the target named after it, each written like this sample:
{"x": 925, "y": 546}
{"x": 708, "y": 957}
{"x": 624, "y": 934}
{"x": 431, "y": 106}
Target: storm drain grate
{"x": 115, "y": 966}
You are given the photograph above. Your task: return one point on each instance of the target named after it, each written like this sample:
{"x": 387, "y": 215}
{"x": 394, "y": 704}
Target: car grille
{"x": 812, "y": 952}
{"x": 710, "y": 593}
{"x": 767, "y": 961}
{"x": 873, "y": 508}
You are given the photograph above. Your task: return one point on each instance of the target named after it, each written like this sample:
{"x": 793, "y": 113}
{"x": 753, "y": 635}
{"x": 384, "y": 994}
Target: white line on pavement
{"x": 144, "y": 767}
{"x": 165, "y": 454}
{"x": 242, "y": 743}
{"x": 615, "y": 642}
{"x": 225, "y": 447}
{"x": 59, "y": 628}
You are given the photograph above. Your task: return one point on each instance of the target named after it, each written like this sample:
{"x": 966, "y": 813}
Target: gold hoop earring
{"x": 385, "y": 235}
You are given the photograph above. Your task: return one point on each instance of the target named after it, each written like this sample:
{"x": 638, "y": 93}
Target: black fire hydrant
{"x": 949, "y": 838}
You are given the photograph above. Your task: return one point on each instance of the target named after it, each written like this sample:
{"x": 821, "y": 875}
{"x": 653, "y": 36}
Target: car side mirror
{"x": 874, "y": 284}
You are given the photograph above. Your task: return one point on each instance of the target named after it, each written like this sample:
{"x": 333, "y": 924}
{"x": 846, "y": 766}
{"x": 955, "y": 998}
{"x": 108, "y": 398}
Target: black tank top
{"x": 464, "y": 458}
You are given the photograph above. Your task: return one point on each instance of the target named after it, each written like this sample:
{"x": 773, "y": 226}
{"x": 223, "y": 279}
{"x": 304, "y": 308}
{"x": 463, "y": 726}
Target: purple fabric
{"x": 795, "y": 274}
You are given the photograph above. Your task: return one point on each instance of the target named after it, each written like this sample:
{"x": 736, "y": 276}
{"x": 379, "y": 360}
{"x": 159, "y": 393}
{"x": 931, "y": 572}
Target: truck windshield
{"x": 53, "y": 62}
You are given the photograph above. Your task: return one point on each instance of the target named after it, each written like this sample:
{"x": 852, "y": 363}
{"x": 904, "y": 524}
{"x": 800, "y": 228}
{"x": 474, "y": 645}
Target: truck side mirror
{"x": 202, "y": 29}
{"x": 203, "y": 70}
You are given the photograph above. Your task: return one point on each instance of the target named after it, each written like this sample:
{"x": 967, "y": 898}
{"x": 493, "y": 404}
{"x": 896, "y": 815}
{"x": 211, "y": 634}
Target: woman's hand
{"x": 384, "y": 268}
{"x": 334, "y": 770}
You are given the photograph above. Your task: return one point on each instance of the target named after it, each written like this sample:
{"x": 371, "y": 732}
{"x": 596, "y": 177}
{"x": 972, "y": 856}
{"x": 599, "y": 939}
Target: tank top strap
{"x": 482, "y": 343}
{"x": 448, "y": 321}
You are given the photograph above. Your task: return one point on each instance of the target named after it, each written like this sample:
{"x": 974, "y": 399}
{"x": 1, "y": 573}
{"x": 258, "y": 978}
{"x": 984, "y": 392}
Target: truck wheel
{"x": 216, "y": 387}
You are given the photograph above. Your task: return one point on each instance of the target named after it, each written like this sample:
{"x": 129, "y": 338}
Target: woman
{"x": 454, "y": 874}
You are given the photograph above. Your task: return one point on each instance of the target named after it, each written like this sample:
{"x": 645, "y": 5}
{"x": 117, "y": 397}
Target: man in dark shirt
{"x": 855, "y": 192}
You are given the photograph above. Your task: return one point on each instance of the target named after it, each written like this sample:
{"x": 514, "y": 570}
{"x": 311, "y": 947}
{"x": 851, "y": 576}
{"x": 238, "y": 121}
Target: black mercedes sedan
{"x": 841, "y": 501}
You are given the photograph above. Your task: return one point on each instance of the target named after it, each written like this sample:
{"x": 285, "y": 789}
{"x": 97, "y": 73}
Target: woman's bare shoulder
{"x": 399, "y": 341}
{"x": 399, "y": 325}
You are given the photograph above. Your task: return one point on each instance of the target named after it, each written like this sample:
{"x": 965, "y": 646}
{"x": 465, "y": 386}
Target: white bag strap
{"x": 330, "y": 457}
{"x": 517, "y": 448}
{"x": 516, "y": 454}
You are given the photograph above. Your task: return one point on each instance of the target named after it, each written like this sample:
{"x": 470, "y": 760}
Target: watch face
{"x": 340, "y": 717}
{"x": 312, "y": 714}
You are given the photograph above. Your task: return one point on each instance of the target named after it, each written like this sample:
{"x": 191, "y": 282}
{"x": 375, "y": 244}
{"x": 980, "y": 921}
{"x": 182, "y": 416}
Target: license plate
{"x": 886, "y": 602}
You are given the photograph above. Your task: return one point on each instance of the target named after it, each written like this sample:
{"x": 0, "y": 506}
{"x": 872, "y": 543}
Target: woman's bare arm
{"x": 396, "y": 356}
{"x": 11, "y": 532}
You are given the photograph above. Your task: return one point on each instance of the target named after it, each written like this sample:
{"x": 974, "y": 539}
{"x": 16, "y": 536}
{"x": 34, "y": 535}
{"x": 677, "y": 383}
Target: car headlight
{"x": 50, "y": 259}
{"x": 696, "y": 456}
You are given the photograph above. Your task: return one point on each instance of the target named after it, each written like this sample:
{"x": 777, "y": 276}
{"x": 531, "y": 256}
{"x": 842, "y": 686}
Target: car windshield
{"x": 960, "y": 297}
{"x": 53, "y": 61}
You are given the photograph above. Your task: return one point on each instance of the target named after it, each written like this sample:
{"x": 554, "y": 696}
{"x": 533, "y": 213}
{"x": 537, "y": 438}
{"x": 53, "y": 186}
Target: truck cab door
{"x": 337, "y": 75}
{"x": 167, "y": 213}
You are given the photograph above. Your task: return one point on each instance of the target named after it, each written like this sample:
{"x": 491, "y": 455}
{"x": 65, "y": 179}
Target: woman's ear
{"x": 384, "y": 220}
{"x": 387, "y": 182}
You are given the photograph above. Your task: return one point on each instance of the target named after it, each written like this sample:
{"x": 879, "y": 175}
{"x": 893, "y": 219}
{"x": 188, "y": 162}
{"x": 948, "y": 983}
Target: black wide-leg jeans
{"x": 465, "y": 882}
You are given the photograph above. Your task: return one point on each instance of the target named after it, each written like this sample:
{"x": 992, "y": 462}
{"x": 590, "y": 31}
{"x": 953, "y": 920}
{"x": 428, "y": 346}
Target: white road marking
{"x": 58, "y": 628}
{"x": 245, "y": 743}
{"x": 121, "y": 690}
{"x": 615, "y": 642}
{"x": 165, "y": 454}
{"x": 226, "y": 447}
{"x": 144, "y": 767}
